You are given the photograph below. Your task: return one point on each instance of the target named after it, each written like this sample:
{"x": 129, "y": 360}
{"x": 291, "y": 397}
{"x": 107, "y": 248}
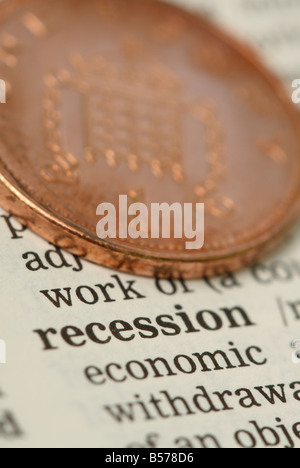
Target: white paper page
{"x": 249, "y": 396}
{"x": 47, "y": 400}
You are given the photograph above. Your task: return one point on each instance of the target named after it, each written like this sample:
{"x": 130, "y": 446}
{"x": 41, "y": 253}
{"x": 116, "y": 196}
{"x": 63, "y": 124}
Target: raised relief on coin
{"x": 9, "y": 50}
{"x": 213, "y": 58}
{"x": 127, "y": 115}
{"x": 172, "y": 28}
{"x": 253, "y": 96}
{"x": 133, "y": 116}
{"x": 215, "y": 154}
{"x": 34, "y": 25}
{"x": 273, "y": 149}
{"x": 64, "y": 167}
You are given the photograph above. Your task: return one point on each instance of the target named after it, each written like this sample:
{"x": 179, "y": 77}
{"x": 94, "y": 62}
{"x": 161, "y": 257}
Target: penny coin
{"x": 139, "y": 98}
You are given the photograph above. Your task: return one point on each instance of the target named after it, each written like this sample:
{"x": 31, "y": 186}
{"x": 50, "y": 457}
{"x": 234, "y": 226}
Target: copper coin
{"x": 110, "y": 97}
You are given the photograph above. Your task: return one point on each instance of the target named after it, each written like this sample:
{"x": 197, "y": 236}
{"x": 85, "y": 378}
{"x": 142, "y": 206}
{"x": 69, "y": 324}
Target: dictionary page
{"x": 97, "y": 358}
